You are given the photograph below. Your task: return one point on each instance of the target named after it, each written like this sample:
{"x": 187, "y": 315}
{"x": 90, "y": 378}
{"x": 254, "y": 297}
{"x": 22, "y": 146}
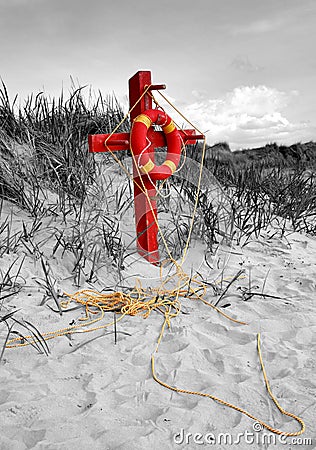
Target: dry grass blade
{"x": 36, "y": 339}
{"x": 37, "y": 335}
{"x": 8, "y": 316}
{"x": 5, "y": 342}
{"x": 88, "y": 341}
{"x": 49, "y": 285}
{"x": 238, "y": 274}
{"x": 115, "y": 329}
{"x": 9, "y": 281}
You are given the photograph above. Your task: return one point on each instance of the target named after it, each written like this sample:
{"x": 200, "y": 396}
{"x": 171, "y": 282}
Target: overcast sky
{"x": 244, "y": 71}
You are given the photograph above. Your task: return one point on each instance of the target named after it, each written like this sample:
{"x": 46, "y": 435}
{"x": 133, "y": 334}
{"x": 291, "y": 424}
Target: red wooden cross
{"x": 145, "y": 210}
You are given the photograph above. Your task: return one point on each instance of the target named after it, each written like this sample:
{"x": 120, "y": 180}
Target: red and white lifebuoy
{"x": 140, "y": 145}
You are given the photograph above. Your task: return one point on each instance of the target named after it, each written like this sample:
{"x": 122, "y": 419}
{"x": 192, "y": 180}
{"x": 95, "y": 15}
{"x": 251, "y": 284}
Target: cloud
{"x": 247, "y": 116}
{"x": 243, "y": 64}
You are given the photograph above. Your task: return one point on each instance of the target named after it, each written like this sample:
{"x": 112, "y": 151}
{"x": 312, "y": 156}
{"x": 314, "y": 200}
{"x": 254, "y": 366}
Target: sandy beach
{"x": 184, "y": 133}
{"x": 90, "y": 392}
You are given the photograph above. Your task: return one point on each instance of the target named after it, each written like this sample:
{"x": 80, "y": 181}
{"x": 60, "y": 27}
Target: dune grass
{"x": 46, "y": 171}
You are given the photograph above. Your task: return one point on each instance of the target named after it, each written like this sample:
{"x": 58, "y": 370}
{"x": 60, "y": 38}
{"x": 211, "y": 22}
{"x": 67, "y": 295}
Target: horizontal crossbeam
{"x": 120, "y": 141}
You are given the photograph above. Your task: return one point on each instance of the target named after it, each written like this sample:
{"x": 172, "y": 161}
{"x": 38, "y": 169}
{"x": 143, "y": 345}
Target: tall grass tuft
{"x": 51, "y": 136}
{"x": 46, "y": 170}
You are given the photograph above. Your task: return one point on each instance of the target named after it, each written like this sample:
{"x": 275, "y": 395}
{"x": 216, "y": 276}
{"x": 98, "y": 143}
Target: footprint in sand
{"x": 215, "y": 359}
{"x": 306, "y": 284}
{"x": 33, "y": 437}
{"x": 241, "y": 337}
{"x": 210, "y": 329}
{"x": 4, "y": 395}
{"x": 173, "y": 346}
{"x": 170, "y": 362}
{"x": 23, "y": 414}
{"x": 139, "y": 359}
{"x": 241, "y": 377}
{"x": 283, "y": 373}
{"x": 28, "y": 439}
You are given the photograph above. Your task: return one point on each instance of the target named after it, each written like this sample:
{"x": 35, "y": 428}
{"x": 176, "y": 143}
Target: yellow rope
{"x": 143, "y": 301}
{"x": 138, "y": 300}
{"x": 230, "y": 405}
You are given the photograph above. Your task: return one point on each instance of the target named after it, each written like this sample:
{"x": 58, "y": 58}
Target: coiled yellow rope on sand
{"x": 140, "y": 301}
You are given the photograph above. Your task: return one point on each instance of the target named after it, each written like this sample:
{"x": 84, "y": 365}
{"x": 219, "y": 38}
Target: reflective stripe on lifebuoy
{"x": 140, "y": 144}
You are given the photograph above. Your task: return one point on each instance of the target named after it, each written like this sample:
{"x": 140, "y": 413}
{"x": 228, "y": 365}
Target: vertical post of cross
{"x": 145, "y": 211}
{"x": 144, "y": 187}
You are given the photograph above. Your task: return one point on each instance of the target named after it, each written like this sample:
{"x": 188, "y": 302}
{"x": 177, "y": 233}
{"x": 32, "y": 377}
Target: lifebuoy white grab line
{"x": 140, "y": 146}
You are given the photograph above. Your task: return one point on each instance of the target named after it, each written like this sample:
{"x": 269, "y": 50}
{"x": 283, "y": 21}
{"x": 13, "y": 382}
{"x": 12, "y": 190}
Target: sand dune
{"x": 92, "y": 393}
